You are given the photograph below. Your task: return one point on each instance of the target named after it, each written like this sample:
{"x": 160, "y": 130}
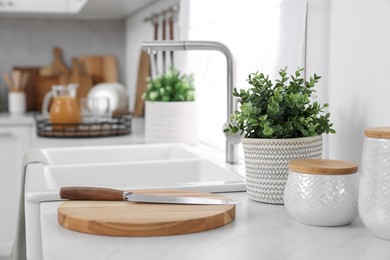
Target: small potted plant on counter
{"x": 279, "y": 123}
{"x": 170, "y": 109}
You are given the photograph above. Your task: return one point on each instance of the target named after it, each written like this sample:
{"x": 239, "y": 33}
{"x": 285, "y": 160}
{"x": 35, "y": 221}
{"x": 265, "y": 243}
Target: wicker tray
{"x": 88, "y": 129}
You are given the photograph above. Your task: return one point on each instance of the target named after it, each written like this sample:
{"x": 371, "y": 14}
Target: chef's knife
{"x": 91, "y": 193}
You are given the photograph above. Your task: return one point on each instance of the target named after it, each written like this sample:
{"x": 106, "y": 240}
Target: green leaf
{"x": 171, "y": 86}
{"x": 280, "y": 110}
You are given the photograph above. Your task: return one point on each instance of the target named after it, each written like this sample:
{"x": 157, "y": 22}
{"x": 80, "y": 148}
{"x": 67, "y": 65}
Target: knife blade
{"x": 92, "y": 193}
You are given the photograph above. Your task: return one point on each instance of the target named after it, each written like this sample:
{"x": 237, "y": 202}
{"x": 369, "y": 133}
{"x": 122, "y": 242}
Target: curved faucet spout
{"x": 231, "y": 149}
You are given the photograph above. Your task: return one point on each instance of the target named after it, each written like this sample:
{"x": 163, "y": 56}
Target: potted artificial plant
{"x": 170, "y": 109}
{"x": 279, "y": 123}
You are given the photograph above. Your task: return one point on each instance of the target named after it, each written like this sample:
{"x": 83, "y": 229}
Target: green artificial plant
{"x": 280, "y": 110}
{"x": 169, "y": 87}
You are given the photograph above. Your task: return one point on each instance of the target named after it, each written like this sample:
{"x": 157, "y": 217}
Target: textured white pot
{"x": 266, "y": 164}
{"x": 171, "y": 122}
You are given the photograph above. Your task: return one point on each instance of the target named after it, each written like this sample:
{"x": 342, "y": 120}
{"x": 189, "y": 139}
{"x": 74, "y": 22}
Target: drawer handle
{"x": 5, "y": 134}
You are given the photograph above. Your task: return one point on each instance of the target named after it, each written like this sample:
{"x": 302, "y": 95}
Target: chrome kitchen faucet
{"x": 155, "y": 46}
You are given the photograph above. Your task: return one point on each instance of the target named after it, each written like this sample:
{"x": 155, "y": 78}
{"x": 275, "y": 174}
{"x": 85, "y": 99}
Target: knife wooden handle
{"x": 90, "y": 193}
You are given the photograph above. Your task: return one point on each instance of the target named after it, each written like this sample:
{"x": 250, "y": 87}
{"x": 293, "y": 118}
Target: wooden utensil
{"x": 164, "y": 37}
{"x": 17, "y": 81}
{"x": 143, "y": 74}
{"x": 57, "y": 68}
{"x": 171, "y": 36}
{"x": 121, "y": 218}
{"x": 7, "y": 80}
{"x": 154, "y": 61}
{"x": 16, "y": 78}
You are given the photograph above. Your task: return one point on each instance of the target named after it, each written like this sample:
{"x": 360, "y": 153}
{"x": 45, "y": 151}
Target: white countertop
{"x": 136, "y": 136}
{"x": 7, "y": 119}
{"x": 260, "y": 231}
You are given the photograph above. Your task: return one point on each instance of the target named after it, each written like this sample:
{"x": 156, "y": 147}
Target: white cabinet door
{"x": 36, "y": 6}
{"x": 14, "y": 142}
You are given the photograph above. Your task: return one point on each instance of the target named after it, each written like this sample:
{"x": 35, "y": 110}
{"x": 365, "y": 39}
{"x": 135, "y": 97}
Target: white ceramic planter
{"x": 171, "y": 122}
{"x": 266, "y": 164}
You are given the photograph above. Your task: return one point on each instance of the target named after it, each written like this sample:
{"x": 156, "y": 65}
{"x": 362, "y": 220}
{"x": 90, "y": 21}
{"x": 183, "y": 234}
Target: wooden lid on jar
{"x": 322, "y": 166}
{"x": 378, "y": 132}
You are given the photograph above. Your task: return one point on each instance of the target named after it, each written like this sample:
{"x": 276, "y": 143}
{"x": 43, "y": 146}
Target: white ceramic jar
{"x": 322, "y": 192}
{"x": 374, "y": 190}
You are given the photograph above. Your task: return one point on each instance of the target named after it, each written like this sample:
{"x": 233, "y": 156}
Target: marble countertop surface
{"x": 137, "y": 136}
{"x": 7, "y": 119}
{"x": 260, "y": 231}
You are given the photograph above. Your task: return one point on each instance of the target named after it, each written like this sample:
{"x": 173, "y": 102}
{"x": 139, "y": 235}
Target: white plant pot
{"x": 266, "y": 164}
{"x": 171, "y": 122}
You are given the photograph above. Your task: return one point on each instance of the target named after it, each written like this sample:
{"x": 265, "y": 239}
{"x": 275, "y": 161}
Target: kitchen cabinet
{"x": 15, "y": 139}
{"x": 75, "y": 6}
{"x": 41, "y": 6}
{"x": 82, "y": 9}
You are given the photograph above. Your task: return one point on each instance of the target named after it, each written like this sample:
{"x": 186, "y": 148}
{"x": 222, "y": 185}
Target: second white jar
{"x": 374, "y": 197}
{"x": 322, "y": 192}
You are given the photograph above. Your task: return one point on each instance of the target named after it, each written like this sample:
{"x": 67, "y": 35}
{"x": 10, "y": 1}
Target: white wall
{"x": 355, "y": 36}
{"x": 317, "y": 52}
{"x": 263, "y": 35}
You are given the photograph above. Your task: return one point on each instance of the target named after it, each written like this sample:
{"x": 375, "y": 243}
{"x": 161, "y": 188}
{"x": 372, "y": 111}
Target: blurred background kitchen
{"x": 346, "y": 42}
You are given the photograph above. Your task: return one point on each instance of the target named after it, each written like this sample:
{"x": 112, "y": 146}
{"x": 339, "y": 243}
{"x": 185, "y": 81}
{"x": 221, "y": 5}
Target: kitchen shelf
{"x": 115, "y": 126}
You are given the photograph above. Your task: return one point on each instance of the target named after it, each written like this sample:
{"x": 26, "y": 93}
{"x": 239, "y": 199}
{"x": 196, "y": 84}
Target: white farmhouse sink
{"x": 159, "y": 166}
{"x": 114, "y": 154}
{"x": 197, "y": 172}
{"x": 126, "y": 167}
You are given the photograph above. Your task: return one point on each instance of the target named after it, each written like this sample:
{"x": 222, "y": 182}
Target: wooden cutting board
{"x": 101, "y": 68}
{"x": 57, "y": 68}
{"x": 85, "y": 82}
{"x": 143, "y": 74}
{"x": 42, "y": 85}
{"x": 30, "y": 87}
{"x": 122, "y": 218}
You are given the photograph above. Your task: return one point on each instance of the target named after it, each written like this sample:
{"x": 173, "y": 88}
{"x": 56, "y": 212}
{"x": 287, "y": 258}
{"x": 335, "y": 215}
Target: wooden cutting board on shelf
{"x": 30, "y": 86}
{"x": 84, "y": 81}
{"x": 143, "y": 74}
{"x": 42, "y": 85}
{"x": 57, "y": 68}
{"x": 101, "y": 68}
{"x": 123, "y": 218}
